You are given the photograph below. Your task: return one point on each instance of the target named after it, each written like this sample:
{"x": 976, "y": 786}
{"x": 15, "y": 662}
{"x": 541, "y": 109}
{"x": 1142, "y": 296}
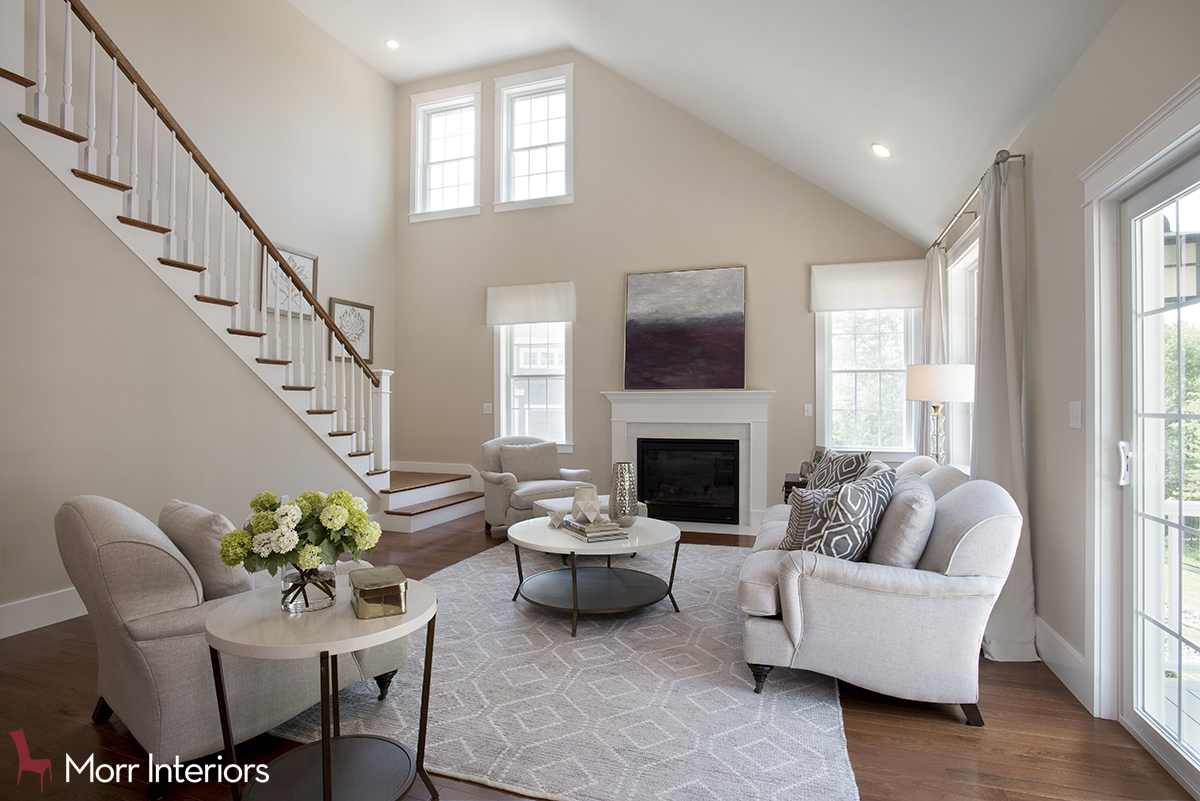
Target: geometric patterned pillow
{"x": 843, "y": 523}
{"x": 837, "y": 469}
{"x": 803, "y": 502}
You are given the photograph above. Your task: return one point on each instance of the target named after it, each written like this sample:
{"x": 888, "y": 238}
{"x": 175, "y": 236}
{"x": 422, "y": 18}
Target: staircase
{"x": 161, "y": 197}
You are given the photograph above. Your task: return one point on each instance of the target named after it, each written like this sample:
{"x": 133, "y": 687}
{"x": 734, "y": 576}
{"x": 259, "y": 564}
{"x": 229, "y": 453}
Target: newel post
{"x": 381, "y": 409}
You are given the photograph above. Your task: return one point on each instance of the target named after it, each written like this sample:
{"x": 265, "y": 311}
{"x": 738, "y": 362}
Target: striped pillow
{"x": 803, "y": 502}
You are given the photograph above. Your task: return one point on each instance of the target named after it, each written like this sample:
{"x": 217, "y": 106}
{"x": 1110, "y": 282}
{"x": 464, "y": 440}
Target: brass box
{"x": 378, "y": 592}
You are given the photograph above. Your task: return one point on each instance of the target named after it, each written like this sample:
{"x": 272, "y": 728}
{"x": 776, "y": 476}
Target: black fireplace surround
{"x": 689, "y": 479}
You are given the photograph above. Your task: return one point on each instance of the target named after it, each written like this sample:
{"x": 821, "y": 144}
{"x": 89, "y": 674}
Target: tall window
{"x": 962, "y": 286}
{"x": 867, "y": 353}
{"x": 445, "y": 155}
{"x": 534, "y": 141}
{"x": 534, "y": 382}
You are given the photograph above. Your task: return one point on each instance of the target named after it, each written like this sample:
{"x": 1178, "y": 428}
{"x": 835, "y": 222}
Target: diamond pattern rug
{"x": 651, "y": 704}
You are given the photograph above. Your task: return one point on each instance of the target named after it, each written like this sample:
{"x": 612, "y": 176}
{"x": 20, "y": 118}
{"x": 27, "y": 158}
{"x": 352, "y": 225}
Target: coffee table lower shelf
{"x": 365, "y": 768}
{"x": 594, "y": 590}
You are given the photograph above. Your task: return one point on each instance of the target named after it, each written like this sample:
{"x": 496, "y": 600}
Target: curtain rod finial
{"x": 1002, "y": 156}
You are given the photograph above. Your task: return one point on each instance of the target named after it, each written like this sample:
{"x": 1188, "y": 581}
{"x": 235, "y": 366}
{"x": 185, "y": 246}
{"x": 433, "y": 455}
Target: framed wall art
{"x": 278, "y": 291}
{"x": 686, "y": 329}
{"x": 357, "y": 322}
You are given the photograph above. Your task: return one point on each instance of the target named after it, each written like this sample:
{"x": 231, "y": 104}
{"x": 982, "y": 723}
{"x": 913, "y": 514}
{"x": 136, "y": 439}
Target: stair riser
{"x": 425, "y": 520}
{"x": 398, "y": 500}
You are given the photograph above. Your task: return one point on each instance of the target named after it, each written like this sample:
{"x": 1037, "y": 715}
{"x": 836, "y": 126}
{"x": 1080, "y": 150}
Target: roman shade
{"x": 531, "y": 303}
{"x": 867, "y": 285}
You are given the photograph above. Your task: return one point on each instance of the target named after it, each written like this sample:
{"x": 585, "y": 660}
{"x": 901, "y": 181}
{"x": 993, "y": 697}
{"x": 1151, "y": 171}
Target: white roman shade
{"x": 868, "y": 285}
{"x": 531, "y": 303}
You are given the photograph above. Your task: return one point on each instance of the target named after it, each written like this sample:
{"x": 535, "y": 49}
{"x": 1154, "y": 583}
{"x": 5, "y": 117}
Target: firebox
{"x": 689, "y": 479}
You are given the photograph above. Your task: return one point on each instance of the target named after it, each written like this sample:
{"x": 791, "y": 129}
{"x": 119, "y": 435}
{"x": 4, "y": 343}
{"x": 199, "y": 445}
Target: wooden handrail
{"x": 181, "y": 136}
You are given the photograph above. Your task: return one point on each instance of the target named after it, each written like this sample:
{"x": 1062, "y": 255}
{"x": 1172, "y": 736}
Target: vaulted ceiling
{"x": 810, "y": 84}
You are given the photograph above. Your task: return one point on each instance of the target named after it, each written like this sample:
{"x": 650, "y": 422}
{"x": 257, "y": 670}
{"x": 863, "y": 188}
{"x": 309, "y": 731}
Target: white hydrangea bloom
{"x": 263, "y": 544}
{"x": 360, "y": 504}
{"x": 288, "y": 516}
{"x": 285, "y": 540}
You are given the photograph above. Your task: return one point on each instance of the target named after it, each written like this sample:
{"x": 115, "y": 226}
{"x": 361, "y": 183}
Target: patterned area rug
{"x": 642, "y": 705}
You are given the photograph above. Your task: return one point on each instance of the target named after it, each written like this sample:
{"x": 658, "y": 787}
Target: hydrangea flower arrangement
{"x": 312, "y": 530}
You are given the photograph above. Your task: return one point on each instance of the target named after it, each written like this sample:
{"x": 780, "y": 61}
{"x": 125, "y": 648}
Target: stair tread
{"x": 216, "y": 301}
{"x": 136, "y": 223}
{"x": 402, "y": 480}
{"x": 296, "y": 388}
{"x": 102, "y": 181}
{"x": 322, "y": 411}
{"x": 243, "y": 332}
{"x": 360, "y": 453}
{"x": 438, "y": 503}
{"x": 16, "y": 78}
{"x": 378, "y": 472}
{"x": 261, "y": 360}
{"x": 340, "y": 433}
{"x": 183, "y": 265}
{"x": 51, "y": 128}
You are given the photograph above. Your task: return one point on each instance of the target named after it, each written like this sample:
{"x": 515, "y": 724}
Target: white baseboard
{"x": 442, "y": 467}
{"x": 42, "y": 610}
{"x": 1066, "y": 663}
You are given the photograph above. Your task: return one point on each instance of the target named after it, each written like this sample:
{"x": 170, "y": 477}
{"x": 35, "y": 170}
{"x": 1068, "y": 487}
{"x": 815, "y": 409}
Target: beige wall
{"x": 655, "y": 189}
{"x": 112, "y": 386}
{"x": 1143, "y": 56}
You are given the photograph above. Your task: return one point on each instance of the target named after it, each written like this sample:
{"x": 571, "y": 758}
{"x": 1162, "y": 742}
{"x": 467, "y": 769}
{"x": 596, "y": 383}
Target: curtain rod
{"x": 1001, "y": 157}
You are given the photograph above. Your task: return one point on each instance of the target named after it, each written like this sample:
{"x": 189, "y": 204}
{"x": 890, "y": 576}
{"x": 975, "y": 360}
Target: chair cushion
{"x": 530, "y": 462}
{"x": 758, "y": 583}
{"x": 526, "y": 493}
{"x": 197, "y": 532}
{"x": 770, "y": 534}
{"x": 904, "y": 528}
{"x": 837, "y": 469}
{"x": 843, "y": 523}
{"x": 803, "y": 503}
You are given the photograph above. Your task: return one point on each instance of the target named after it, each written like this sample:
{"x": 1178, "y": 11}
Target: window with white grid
{"x": 446, "y": 143}
{"x": 533, "y": 143}
{"x": 535, "y": 397}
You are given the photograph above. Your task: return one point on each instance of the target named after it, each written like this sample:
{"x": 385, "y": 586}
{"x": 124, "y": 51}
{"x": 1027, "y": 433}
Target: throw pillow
{"x": 904, "y": 528}
{"x": 803, "y": 503}
{"x": 843, "y": 523}
{"x": 197, "y": 532}
{"x": 837, "y": 469}
{"x": 537, "y": 462}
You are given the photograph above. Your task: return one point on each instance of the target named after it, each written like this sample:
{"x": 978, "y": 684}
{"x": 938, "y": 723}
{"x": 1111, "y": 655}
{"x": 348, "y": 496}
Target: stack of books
{"x": 600, "y": 531}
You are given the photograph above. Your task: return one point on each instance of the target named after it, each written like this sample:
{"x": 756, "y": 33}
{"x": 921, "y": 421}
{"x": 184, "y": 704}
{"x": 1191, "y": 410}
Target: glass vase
{"x": 308, "y": 590}
{"x": 622, "y": 498}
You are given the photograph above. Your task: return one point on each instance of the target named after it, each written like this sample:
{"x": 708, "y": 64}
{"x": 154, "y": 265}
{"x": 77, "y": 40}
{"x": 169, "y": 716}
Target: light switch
{"x": 808, "y": 410}
{"x": 487, "y": 408}
{"x": 1076, "y": 414}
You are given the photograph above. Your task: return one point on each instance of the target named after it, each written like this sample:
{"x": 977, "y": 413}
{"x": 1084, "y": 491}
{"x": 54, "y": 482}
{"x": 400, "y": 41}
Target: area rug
{"x": 651, "y": 704}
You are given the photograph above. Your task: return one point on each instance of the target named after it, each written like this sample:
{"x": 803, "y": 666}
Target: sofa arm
{"x": 506, "y": 480}
{"x": 174, "y": 623}
{"x": 882, "y": 580}
{"x": 568, "y": 474}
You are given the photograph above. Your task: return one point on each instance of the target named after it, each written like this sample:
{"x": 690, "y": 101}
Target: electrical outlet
{"x": 487, "y": 408}
{"x": 808, "y": 410}
{"x": 1075, "y": 415}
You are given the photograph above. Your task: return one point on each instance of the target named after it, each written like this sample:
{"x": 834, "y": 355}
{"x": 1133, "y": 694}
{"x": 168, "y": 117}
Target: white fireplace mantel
{"x": 700, "y": 414}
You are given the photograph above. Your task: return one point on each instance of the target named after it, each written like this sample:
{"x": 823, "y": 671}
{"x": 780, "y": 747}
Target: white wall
{"x": 655, "y": 189}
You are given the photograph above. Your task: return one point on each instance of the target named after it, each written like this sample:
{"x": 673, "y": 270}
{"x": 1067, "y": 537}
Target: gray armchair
{"x": 518, "y": 471}
{"x": 147, "y": 604}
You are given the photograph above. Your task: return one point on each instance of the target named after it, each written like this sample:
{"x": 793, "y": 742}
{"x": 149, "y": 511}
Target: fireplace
{"x": 689, "y": 479}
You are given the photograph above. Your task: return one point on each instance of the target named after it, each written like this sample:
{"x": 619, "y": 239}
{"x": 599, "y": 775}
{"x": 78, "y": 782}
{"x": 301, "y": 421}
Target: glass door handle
{"x": 1126, "y": 460}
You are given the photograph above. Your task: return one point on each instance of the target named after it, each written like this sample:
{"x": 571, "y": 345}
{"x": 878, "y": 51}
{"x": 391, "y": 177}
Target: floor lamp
{"x": 940, "y": 384}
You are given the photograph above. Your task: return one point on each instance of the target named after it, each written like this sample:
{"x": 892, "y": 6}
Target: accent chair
{"x": 517, "y": 471}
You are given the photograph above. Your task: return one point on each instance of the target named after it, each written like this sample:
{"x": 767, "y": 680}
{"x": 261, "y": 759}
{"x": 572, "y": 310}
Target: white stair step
{"x": 432, "y": 513}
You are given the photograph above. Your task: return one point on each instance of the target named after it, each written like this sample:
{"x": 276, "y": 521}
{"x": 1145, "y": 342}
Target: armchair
{"x": 517, "y": 471}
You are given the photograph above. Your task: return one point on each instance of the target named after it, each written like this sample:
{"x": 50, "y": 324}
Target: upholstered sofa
{"x": 148, "y": 590}
{"x": 908, "y": 620}
{"x": 519, "y": 471}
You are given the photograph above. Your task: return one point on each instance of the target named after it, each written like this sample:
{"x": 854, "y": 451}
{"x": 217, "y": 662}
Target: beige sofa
{"x": 911, "y": 631}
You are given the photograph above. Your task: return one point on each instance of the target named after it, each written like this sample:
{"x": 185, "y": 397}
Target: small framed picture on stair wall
{"x": 278, "y": 289}
{"x": 357, "y": 322}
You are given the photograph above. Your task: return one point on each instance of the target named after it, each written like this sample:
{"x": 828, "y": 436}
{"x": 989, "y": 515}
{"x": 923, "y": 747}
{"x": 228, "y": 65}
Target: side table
{"x": 790, "y": 482}
{"x": 362, "y": 767}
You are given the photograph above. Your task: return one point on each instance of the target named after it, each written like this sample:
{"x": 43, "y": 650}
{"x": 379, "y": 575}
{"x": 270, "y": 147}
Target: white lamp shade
{"x": 940, "y": 383}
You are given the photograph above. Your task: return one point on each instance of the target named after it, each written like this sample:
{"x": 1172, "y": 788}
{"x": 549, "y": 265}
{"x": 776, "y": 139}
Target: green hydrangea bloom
{"x": 262, "y": 522}
{"x": 265, "y": 502}
{"x": 342, "y": 498}
{"x": 368, "y": 538}
{"x": 310, "y": 502}
{"x": 333, "y": 516}
{"x": 357, "y": 520}
{"x": 235, "y": 546}
{"x": 308, "y": 557}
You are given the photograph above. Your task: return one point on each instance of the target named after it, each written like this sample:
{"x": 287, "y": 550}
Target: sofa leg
{"x": 384, "y": 682}
{"x": 102, "y": 711}
{"x": 760, "y": 675}
{"x": 972, "y": 713}
{"x": 487, "y": 528}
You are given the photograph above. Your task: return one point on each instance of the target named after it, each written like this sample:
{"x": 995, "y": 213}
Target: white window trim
{"x": 422, "y": 104}
{"x": 824, "y": 354}
{"x": 500, "y": 373}
{"x": 509, "y": 86}
{"x": 962, "y": 273}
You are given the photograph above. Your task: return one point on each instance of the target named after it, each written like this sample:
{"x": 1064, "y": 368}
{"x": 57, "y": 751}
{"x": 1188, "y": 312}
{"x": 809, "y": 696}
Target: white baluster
{"x": 277, "y": 274}
{"x": 351, "y": 421}
{"x": 152, "y": 212}
{"x": 326, "y": 355}
{"x": 173, "y": 189}
{"x": 40, "y": 100}
{"x": 189, "y": 244}
{"x": 66, "y": 112}
{"x": 132, "y": 202}
{"x": 286, "y": 281}
{"x": 370, "y": 433}
{"x": 114, "y": 161}
{"x": 205, "y": 280}
{"x": 312, "y": 352}
{"x": 300, "y": 352}
{"x": 238, "y": 315}
{"x": 221, "y": 248}
{"x": 89, "y": 151}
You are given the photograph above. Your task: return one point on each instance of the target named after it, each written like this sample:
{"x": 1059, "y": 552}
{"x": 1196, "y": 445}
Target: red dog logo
{"x": 27, "y": 763}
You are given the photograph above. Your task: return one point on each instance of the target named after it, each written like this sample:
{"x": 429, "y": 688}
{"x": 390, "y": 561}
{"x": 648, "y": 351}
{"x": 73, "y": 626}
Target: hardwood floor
{"x": 1039, "y": 742}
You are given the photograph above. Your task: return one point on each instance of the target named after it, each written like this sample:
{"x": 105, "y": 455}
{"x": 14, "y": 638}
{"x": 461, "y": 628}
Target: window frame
{"x": 424, "y": 104}
{"x": 510, "y": 88}
{"x": 962, "y": 329}
{"x": 501, "y": 408}
{"x": 824, "y": 386}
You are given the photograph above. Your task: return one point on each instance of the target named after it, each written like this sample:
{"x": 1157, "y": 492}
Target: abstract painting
{"x": 686, "y": 329}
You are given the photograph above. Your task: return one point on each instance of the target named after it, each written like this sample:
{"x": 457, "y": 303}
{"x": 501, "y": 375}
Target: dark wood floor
{"x": 1039, "y": 742}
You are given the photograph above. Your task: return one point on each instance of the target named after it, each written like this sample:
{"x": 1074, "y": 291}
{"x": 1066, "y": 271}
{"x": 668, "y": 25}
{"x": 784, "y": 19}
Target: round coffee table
{"x": 352, "y": 766}
{"x": 593, "y": 590}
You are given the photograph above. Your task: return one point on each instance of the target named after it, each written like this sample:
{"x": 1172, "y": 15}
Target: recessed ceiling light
{"x": 881, "y": 151}
{"x": 392, "y": 43}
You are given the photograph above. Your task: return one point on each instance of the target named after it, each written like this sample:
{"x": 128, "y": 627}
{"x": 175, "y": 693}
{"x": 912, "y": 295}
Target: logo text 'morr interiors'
{"x": 176, "y": 772}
